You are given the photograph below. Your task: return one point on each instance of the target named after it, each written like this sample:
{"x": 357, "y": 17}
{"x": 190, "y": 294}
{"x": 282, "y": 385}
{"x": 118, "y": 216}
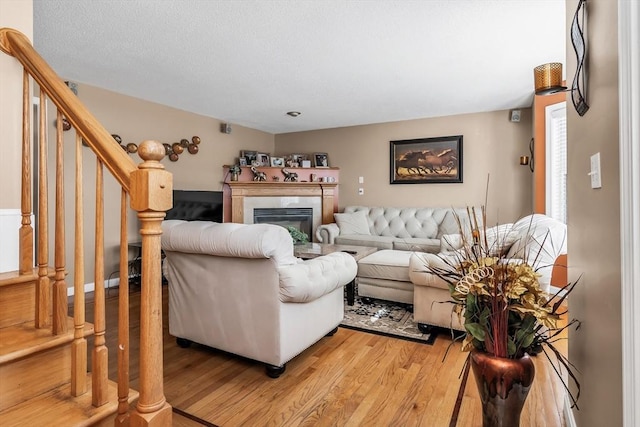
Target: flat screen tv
{"x": 195, "y": 205}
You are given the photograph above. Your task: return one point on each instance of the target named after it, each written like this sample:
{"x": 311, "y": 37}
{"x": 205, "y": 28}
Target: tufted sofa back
{"x": 429, "y": 223}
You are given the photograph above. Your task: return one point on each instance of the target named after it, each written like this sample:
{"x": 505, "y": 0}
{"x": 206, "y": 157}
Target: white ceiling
{"x": 338, "y": 62}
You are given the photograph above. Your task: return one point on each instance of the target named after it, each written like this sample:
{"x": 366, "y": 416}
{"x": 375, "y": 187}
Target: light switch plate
{"x": 361, "y": 180}
{"x": 596, "y": 179}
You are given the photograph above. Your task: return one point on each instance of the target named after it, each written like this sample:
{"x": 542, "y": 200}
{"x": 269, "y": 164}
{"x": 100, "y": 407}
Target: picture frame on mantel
{"x": 426, "y": 160}
{"x": 277, "y": 162}
{"x": 321, "y": 160}
{"x": 263, "y": 159}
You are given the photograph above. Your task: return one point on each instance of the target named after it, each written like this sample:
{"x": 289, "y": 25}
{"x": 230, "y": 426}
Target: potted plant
{"x": 297, "y": 235}
{"x": 235, "y": 171}
{"x": 507, "y": 317}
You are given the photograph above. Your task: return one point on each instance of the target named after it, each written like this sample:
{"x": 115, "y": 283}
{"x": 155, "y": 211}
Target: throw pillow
{"x": 450, "y": 242}
{"x": 353, "y": 223}
{"x": 500, "y": 239}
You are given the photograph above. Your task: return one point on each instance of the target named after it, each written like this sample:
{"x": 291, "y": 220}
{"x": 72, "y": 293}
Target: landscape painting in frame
{"x": 426, "y": 160}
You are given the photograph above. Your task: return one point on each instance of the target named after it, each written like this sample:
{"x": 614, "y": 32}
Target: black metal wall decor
{"x": 578, "y": 33}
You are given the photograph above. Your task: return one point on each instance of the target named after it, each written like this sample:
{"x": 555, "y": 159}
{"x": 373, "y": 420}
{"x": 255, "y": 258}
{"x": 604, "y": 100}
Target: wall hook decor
{"x": 172, "y": 151}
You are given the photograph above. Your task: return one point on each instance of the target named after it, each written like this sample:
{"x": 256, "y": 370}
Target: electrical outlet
{"x": 360, "y": 191}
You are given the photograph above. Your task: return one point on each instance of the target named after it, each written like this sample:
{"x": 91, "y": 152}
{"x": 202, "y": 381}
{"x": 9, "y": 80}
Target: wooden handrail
{"x": 16, "y": 44}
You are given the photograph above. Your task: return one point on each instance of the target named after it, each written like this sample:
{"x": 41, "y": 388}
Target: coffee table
{"x": 313, "y": 250}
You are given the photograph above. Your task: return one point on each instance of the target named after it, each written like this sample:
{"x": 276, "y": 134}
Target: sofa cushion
{"x": 352, "y": 223}
{"x": 380, "y": 242}
{"x": 417, "y": 244}
{"x": 540, "y": 238}
{"x": 500, "y": 239}
{"x": 386, "y": 264}
{"x": 450, "y": 242}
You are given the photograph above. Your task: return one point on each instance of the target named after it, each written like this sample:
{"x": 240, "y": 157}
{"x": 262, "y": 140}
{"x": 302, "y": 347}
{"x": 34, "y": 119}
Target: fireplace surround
{"x": 319, "y": 196}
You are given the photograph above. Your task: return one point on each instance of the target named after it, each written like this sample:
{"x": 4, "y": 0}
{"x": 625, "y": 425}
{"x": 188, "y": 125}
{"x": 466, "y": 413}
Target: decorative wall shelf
{"x": 274, "y": 174}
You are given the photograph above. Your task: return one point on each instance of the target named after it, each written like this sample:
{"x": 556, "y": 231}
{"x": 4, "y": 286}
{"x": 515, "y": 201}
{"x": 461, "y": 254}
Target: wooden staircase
{"x": 35, "y": 365}
{"x": 48, "y": 373}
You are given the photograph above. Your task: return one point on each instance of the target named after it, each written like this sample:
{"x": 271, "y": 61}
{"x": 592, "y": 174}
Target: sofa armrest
{"x": 327, "y": 233}
{"x": 419, "y": 265}
{"x": 311, "y": 279}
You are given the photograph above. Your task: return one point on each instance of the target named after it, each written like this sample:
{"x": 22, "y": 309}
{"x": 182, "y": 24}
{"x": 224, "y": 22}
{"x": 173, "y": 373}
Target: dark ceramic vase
{"x": 503, "y": 385}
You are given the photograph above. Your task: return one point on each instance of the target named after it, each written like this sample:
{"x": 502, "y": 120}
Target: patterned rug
{"x": 384, "y": 318}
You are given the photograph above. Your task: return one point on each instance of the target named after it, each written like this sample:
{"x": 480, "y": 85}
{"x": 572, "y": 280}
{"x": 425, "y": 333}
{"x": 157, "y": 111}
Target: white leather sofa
{"x": 536, "y": 238}
{"x": 396, "y": 232}
{"x": 407, "y": 229}
{"x": 239, "y": 288}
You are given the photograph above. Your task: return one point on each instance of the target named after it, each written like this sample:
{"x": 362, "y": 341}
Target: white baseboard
{"x": 90, "y": 287}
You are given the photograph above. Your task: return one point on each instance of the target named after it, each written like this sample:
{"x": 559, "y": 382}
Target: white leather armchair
{"x": 536, "y": 238}
{"x": 239, "y": 288}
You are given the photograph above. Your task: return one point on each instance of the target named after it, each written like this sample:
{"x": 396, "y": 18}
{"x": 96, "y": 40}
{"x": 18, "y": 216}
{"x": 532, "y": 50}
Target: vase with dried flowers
{"x": 507, "y": 317}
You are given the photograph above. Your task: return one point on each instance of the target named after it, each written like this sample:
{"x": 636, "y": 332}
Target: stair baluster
{"x": 100, "y": 362}
{"x": 60, "y": 302}
{"x": 123, "y": 319}
{"x": 43, "y": 286}
{"x": 26, "y": 229}
{"x": 79, "y": 346}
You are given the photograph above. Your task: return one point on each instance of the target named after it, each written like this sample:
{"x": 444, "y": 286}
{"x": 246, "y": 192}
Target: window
{"x": 556, "y": 161}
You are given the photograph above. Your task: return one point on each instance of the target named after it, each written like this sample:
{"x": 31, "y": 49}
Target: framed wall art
{"x": 426, "y": 160}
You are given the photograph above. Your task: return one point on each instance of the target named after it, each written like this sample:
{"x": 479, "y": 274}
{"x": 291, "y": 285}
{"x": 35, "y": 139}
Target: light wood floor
{"x": 350, "y": 379}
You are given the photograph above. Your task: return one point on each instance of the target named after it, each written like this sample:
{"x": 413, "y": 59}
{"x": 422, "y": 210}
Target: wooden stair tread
{"x": 9, "y": 278}
{"x": 58, "y": 407}
{"x": 18, "y": 341}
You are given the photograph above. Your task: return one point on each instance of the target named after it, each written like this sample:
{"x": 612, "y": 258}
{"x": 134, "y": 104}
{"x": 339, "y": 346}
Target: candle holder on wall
{"x": 528, "y": 160}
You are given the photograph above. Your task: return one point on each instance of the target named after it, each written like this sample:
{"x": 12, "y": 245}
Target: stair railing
{"x": 149, "y": 188}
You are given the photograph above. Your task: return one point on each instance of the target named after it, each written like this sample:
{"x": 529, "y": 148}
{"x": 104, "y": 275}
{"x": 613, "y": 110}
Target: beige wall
{"x": 492, "y": 146}
{"x": 17, "y": 15}
{"x": 136, "y": 120}
{"x": 594, "y": 225}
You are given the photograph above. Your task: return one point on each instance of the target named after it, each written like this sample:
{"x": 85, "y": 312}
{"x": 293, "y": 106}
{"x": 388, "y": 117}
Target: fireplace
{"x": 245, "y": 197}
{"x": 300, "y": 218}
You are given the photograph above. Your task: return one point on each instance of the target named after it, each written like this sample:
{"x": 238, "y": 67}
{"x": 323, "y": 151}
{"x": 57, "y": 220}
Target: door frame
{"x": 629, "y": 152}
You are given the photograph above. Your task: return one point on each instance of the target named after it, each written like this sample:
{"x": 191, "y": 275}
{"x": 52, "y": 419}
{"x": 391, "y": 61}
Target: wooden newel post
{"x": 151, "y": 196}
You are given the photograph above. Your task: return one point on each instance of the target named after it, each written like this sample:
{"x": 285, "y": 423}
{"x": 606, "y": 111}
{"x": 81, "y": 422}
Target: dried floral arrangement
{"x": 505, "y": 312}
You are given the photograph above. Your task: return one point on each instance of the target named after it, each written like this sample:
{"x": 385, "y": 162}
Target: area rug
{"x": 384, "y": 318}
